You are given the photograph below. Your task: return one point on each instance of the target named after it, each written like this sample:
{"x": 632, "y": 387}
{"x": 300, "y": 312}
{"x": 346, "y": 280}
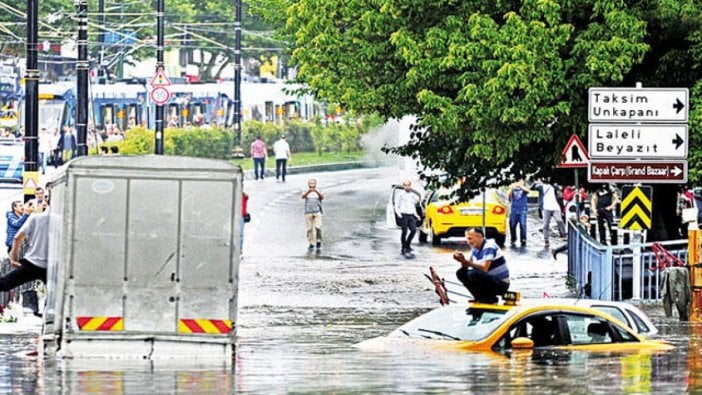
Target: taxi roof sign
{"x": 160, "y": 79}
{"x": 574, "y": 155}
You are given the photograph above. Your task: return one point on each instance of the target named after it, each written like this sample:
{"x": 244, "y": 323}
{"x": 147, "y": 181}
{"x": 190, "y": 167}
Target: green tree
{"x": 201, "y": 27}
{"x": 497, "y": 86}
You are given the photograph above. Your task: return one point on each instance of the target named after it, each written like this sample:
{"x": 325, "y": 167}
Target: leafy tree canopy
{"x": 497, "y": 86}
{"x": 195, "y": 26}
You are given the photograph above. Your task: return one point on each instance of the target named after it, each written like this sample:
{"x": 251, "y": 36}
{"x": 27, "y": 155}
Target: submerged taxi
{"x": 522, "y": 325}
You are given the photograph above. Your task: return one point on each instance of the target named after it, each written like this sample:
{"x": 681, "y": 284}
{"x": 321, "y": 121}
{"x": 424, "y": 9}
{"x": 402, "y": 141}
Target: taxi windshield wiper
{"x": 438, "y": 333}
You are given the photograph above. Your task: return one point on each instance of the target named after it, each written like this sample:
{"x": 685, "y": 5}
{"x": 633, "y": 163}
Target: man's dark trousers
{"x": 484, "y": 287}
{"x": 281, "y": 168}
{"x": 21, "y": 275}
{"x": 407, "y": 222}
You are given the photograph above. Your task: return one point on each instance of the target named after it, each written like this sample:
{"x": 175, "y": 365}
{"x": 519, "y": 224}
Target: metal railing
{"x": 616, "y": 272}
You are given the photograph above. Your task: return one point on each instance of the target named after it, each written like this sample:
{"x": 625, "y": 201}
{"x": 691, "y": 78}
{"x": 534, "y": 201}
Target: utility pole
{"x": 158, "y": 146}
{"x": 101, "y": 38}
{"x": 31, "y": 105}
{"x": 82, "y": 78}
{"x": 237, "y": 73}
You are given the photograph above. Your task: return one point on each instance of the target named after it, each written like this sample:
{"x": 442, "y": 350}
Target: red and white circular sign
{"x": 160, "y": 95}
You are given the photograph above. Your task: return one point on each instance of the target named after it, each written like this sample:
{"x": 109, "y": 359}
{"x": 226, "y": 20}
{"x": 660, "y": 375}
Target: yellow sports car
{"x": 524, "y": 325}
{"x": 445, "y": 217}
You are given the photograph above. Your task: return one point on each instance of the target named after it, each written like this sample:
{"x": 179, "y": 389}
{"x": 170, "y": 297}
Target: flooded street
{"x": 301, "y": 314}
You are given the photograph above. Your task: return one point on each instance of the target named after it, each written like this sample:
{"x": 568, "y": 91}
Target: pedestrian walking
{"x": 245, "y": 217}
{"x": 485, "y": 274}
{"x": 259, "y": 154}
{"x": 33, "y": 265}
{"x": 44, "y": 149}
{"x": 550, "y": 208}
{"x": 16, "y": 217}
{"x": 517, "y": 195}
{"x": 313, "y": 215}
{"x": 56, "y": 147}
{"x": 406, "y": 202}
{"x": 69, "y": 142}
{"x": 281, "y": 150}
{"x": 604, "y": 201}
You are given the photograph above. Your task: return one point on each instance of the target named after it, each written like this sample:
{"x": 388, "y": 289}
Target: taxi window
{"x": 613, "y": 311}
{"x": 541, "y": 328}
{"x": 588, "y": 329}
{"x": 585, "y": 329}
{"x": 455, "y": 324}
{"x": 641, "y": 326}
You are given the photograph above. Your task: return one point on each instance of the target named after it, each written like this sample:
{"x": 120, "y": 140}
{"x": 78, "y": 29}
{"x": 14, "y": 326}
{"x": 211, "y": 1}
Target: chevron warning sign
{"x": 636, "y": 207}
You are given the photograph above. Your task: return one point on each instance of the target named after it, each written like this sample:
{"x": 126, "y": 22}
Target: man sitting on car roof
{"x": 486, "y": 274}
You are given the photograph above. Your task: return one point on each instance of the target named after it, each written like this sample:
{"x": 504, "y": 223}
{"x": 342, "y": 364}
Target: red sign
{"x": 160, "y": 95}
{"x": 673, "y": 172}
{"x": 160, "y": 79}
{"x": 574, "y": 155}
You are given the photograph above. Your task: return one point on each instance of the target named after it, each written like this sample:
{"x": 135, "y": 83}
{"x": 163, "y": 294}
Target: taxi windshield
{"x": 454, "y": 323}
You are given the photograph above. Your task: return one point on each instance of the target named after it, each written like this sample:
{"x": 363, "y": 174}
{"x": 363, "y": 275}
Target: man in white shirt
{"x": 33, "y": 265}
{"x": 550, "y": 208}
{"x": 406, "y": 203}
{"x": 44, "y": 148}
{"x": 281, "y": 149}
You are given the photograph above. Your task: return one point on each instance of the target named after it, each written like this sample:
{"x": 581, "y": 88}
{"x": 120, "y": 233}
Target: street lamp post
{"x": 101, "y": 38}
{"x": 31, "y": 105}
{"x": 158, "y": 149}
{"x": 82, "y": 67}
{"x": 237, "y": 74}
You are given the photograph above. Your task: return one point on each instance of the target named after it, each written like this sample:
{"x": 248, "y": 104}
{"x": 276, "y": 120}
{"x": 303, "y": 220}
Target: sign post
{"x": 575, "y": 156}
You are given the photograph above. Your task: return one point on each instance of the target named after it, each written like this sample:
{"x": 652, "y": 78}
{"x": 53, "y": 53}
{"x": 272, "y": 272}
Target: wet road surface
{"x": 300, "y": 315}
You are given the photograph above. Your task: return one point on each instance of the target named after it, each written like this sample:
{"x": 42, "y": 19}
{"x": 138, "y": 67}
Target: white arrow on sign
{"x": 621, "y": 141}
{"x": 638, "y": 105}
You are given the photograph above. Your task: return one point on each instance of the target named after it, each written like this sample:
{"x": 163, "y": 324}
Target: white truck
{"x": 144, "y": 259}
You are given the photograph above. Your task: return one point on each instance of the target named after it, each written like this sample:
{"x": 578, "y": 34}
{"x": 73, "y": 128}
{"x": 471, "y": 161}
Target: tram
{"x": 126, "y": 104}
{"x": 57, "y": 106}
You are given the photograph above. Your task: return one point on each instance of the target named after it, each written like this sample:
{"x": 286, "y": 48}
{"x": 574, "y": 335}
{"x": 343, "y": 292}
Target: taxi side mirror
{"x": 522, "y": 343}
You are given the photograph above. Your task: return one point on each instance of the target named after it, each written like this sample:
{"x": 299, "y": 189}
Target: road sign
{"x": 160, "y": 95}
{"x": 621, "y": 141}
{"x": 160, "y": 79}
{"x": 638, "y": 105}
{"x": 672, "y": 172}
{"x": 574, "y": 154}
{"x": 637, "y": 206}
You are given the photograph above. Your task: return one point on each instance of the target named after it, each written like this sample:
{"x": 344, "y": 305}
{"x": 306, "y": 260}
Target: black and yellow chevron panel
{"x": 637, "y": 202}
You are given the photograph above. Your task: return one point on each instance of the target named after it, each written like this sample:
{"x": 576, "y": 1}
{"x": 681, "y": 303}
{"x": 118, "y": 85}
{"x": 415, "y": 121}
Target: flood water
{"x": 300, "y": 316}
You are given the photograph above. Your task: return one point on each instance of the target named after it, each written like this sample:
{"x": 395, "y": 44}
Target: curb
{"x": 248, "y": 174}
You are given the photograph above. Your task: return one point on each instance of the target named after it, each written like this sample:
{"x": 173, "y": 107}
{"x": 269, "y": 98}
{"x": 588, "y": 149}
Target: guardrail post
{"x": 636, "y": 240}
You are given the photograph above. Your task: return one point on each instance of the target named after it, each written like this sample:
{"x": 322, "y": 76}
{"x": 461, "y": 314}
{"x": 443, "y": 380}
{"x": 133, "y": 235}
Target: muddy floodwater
{"x": 301, "y": 315}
